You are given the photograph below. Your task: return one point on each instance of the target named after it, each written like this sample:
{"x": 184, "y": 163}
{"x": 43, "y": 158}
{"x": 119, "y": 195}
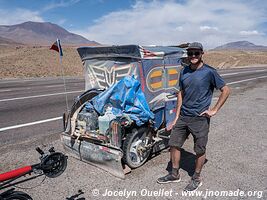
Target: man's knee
{"x": 200, "y": 153}
{"x": 175, "y": 148}
{"x": 199, "y": 150}
{"x": 200, "y": 145}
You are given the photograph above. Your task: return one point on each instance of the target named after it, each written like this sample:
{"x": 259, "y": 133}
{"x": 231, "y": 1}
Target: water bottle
{"x": 103, "y": 121}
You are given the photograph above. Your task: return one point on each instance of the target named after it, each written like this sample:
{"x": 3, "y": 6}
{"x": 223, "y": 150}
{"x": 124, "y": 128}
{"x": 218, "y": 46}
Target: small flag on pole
{"x": 57, "y": 47}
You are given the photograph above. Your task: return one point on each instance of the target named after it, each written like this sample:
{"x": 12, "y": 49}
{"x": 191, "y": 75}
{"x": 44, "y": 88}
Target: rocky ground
{"x": 236, "y": 154}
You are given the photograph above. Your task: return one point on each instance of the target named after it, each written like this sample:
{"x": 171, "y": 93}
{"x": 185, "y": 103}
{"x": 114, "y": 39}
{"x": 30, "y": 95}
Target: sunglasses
{"x": 191, "y": 53}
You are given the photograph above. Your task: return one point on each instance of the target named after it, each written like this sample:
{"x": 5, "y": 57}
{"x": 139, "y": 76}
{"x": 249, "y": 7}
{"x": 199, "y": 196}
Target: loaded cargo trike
{"x": 128, "y": 107}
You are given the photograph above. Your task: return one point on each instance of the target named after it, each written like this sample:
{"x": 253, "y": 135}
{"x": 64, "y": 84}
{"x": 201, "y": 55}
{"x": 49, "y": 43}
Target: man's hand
{"x": 171, "y": 125}
{"x": 209, "y": 113}
{"x": 225, "y": 91}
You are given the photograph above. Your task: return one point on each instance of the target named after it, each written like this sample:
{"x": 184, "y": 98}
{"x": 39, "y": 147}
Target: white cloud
{"x": 170, "y": 22}
{"x": 208, "y": 28}
{"x": 253, "y": 32}
{"x": 16, "y": 16}
{"x": 179, "y": 28}
{"x": 61, "y": 21}
{"x": 59, "y": 4}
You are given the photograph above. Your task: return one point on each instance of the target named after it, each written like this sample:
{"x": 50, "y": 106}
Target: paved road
{"x": 33, "y": 107}
{"x": 236, "y": 153}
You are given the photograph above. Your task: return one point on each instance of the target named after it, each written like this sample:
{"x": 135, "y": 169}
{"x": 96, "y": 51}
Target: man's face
{"x": 194, "y": 55}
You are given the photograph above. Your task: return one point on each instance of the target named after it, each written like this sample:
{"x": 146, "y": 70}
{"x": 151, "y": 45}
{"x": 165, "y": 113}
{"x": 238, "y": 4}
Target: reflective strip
{"x": 156, "y": 74}
{"x": 173, "y": 82}
{"x": 156, "y": 85}
{"x": 172, "y": 71}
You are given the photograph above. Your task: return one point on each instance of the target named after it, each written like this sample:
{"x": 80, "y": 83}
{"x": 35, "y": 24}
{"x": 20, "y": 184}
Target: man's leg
{"x": 200, "y": 160}
{"x": 178, "y": 136}
{"x": 199, "y": 127}
{"x": 174, "y": 175}
{"x": 196, "y": 182}
{"x": 175, "y": 158}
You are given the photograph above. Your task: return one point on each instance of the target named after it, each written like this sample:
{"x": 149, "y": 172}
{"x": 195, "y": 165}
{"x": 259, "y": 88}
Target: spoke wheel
{"x": 137, "y": 147}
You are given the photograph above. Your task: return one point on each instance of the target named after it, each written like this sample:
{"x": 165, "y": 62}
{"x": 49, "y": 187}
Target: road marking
{"x": 29, "y": 124}
{"x": 250, "y": 79}
{"x": 43, "y": 121}
{"x": 43, "y": 95}
{"x": 5, "y": 90}
{"x": 39, "y": 79}
{"x": 51, "y": 86}
{"x": 58, "y": 118}
{"x": 236, "y": 73}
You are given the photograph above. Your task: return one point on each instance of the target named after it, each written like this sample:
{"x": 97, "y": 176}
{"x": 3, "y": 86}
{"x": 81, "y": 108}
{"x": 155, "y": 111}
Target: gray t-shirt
{"x": 198, "y": 86}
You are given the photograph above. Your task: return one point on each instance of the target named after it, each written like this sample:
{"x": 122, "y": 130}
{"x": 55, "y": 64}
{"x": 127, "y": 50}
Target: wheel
{"x": 54, "y": 164}
{"x": 17, "y": 195}
{"x": 137, "y": 147}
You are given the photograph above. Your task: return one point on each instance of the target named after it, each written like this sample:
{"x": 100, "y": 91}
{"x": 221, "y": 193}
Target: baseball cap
{"x": 195, "y": 45}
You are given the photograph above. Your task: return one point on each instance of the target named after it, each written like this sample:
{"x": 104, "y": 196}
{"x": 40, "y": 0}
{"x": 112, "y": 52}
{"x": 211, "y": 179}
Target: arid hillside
{"x": 38, "y": 61}
{"x": 234, "y": 58}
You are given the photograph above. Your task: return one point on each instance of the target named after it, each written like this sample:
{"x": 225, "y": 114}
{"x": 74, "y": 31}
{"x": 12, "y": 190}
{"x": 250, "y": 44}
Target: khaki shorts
{"x": 197, "y": 126}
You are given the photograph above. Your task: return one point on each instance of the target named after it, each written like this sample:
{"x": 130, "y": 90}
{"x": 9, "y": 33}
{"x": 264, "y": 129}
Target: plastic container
{"x": 103, "y": 121}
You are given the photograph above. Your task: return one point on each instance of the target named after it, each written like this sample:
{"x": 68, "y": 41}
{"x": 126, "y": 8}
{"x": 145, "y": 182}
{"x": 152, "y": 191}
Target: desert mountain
{"x": 41, "y": 33}
{"x": 6, "y": 41}
{"x": 241, "y": 45}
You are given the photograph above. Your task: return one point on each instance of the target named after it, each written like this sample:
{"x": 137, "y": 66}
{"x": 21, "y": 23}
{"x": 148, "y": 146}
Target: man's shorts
{"x": 197, "y": 126}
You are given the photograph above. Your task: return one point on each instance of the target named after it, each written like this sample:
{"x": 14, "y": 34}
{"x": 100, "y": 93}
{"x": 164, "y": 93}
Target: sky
{"x": 148, "y": 22}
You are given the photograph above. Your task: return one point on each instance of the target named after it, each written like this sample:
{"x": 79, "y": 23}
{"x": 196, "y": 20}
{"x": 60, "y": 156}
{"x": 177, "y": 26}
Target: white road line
{"x": 5, "y": 90}
{"x": 44, "y": 121}
{"x": 29, "y": 124}
{"x": 38, "y": 79}
{"x": 26, "y": 80}
{"x": 57, "y": 118}
{"x": 245, "y": 80}
{"x": 236, "y": 73}
{"x": 43, "y": 95}
{"x": 51, "y": 86}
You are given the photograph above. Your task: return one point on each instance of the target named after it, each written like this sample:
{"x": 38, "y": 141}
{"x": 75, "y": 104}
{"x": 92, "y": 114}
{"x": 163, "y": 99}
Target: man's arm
{"x": 179, "y": 104}
{"x": 178, "y": 109}
{"x": 225, "y": 91}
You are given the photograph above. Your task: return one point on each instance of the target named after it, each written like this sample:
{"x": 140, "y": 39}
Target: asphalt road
{"x": 236, "y": 158}
{"x": 33, "y": 107}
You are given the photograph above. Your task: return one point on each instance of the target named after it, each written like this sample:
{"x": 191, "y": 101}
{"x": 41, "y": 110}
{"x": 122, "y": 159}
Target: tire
{"x": 134, "y": 152}
{"x": 86, "y": 96}
{"x": 54, "y": 164}
{"x": 17, "y": 195}
{"x": 80, "y": 101}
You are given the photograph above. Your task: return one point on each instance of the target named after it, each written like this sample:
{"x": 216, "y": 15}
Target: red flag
{"x": 57, "y": 47}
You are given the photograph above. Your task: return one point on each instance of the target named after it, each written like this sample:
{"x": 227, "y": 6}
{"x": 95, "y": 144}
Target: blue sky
{"x": 159, "y": 22}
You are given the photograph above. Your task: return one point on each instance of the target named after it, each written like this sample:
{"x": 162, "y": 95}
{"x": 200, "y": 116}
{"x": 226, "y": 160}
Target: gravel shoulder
{"x": 236, "y": 154}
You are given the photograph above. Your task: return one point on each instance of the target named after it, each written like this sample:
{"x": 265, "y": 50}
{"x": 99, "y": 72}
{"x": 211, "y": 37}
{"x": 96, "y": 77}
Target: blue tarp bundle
{"x": 125, "y": 97}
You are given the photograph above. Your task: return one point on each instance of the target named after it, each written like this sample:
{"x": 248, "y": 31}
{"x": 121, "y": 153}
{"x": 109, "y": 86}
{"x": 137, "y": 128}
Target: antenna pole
{"x": 64, "y": 81}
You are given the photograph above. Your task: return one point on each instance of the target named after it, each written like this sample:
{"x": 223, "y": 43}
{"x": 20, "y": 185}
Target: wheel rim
{"x": 138, "y": 153}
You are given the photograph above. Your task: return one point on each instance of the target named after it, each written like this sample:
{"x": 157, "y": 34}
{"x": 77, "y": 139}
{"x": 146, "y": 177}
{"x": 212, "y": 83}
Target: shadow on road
{"x": 187, "y": 162}
{"x": 75, "y": 197}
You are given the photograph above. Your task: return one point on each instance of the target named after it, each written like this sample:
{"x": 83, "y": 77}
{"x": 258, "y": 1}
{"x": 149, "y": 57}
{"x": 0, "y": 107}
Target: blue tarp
{"x": 125, "y": 97}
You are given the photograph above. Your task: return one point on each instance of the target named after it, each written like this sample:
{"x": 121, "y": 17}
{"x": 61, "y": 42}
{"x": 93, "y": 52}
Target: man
{"x": 197, "y": 82}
